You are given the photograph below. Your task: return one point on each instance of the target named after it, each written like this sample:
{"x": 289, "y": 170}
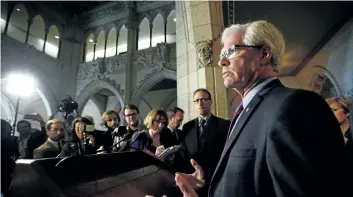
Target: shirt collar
{"x": 170, "y": 128}
{"x": 205, "y": 118}
{"x": 56, "y": 144}
{"x": 255, "y": 90}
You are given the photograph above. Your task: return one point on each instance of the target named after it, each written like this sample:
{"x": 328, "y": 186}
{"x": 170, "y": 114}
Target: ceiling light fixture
{"x": 57, "y": 37}
{"x": 18, "y": 9}
{"x": 90, "y": 40}
{"x": 174, "y": 19}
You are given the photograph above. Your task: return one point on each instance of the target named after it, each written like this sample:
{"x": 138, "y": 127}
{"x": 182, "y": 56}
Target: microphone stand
{"x": 124, "y": 138}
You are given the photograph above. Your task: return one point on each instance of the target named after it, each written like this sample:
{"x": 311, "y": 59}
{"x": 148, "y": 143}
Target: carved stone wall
{"x": 110, "y": 70}
{"x": 152, "y": 60}
{"x": 118, "y": 10}
{"x": 146, "y": 64}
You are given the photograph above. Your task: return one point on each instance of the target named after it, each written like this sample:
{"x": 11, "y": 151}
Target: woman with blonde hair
{"x": 341, "y": 107}
{"x": 156, "y": 139}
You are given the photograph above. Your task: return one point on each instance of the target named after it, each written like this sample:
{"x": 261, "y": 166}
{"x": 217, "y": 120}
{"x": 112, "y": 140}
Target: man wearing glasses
{"x": 132, "y": 118}
{"x": 282, "y": 141}
{"x": 204, "y": 135}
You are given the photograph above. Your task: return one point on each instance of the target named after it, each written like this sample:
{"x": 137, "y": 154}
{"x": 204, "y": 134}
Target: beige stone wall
{"x": 199, "y": 21}
{"x": 334, "y": 60}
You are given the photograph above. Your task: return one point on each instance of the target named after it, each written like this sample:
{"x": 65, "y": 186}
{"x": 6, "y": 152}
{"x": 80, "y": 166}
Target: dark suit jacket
{"x": 144, "y": 141}
{"x": 175, "y": 135}
{"x": 206, "y": 149}
{"x": 34, "y": 141}
{"x": 287, "y": 143}
{"x": 46, "y": 150}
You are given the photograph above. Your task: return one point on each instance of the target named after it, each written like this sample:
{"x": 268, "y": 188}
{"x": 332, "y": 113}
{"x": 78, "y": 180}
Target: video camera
{"x": 67, "y": 105}
{"x": 87, "y": 128}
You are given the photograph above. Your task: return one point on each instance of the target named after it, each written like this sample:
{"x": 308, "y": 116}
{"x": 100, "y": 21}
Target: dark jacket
{"x": 143, "y": 140}
{"x": 205, "y": 149}
{"x": 46, "y": 150}
{"x": 286, "y": 143}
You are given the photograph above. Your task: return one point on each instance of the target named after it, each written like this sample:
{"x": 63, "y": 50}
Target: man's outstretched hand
{"x": 189, "y": 183}
{"x": 197, "y": 179}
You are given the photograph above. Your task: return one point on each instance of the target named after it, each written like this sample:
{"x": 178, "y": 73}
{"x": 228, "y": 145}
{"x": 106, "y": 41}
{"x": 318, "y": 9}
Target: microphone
{"x": 120, "y": 131}
{"x": 124, "y": 138}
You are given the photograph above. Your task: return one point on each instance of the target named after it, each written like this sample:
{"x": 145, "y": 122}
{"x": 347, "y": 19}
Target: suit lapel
{"x": 243, "y": 119}
{"x": 192, "y": 141}
{"x": 51, "y": 146}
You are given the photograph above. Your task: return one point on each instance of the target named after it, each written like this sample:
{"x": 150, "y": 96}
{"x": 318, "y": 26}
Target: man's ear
{"x": 266, "y": 54}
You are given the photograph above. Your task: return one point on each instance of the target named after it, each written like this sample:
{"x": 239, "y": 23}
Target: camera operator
{"x": 83, "y": 139}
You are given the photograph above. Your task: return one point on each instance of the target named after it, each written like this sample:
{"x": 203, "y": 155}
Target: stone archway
{"x": 93, "y": 87}
{"x": 149, "y": 82}
{"x": 8, "y": 110}
{"x": 169, "y": 100}
{"x": 43, "y": 92}
{"x": 324, "y": 80}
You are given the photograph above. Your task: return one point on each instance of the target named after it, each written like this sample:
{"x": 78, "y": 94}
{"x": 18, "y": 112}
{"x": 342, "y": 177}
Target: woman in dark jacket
{"x": 83, "y": 142}
{"x": 341, "y": 107}
{"x": 157, "y": 138}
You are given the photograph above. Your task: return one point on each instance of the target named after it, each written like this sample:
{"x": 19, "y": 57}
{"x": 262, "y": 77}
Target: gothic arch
{"x": 169, "y": 100}
{"x": 321, "y": 77}
{"x": 46, "y": 96}
{"x": 9, "y": 110}
{"x": 149, "y": 82}
{"x": 93, "y": 87}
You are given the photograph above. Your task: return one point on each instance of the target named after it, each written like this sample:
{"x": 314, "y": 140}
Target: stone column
{"x": 28, "y": 29}
{"x": 132, "y": 38}
{"x": 199, "y": 25}
{"x": 45, "y": 38}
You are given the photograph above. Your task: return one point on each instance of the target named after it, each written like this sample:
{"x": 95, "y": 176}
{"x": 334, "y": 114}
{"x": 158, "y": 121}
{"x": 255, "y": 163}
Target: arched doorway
{"x": 97, "y": 97}
{"x": 325, "y": 84}
{"x": 150, "y": 82}
{"x": 41, "y": 101}
{"x": 158, "y": 91}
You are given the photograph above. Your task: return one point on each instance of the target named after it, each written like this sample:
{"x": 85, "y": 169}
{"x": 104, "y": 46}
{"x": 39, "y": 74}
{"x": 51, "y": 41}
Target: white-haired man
{"x": 285, "y": 142}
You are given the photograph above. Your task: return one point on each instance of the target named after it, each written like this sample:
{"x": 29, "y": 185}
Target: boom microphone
{"x": 120, "y": 131}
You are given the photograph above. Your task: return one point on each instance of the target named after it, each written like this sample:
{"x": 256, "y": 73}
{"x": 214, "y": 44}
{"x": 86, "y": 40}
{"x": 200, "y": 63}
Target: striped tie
{"x": 235, "y": 117}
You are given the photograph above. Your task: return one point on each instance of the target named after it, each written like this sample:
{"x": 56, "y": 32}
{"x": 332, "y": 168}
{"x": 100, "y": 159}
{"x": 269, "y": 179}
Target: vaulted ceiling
{"x": 306, "y": 26}
{"x": 73, "y": 7}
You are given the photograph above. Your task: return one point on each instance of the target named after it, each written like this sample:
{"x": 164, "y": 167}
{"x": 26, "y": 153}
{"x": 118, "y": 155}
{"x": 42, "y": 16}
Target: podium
{"x": 128, "y": 174}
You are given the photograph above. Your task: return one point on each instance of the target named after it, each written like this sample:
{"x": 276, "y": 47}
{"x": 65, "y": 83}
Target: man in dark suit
{"x": 52, "y": 147}
{"x": 286, "y": 142}
{"x": 204, "y": 136}
{"x": 175, "y": 119}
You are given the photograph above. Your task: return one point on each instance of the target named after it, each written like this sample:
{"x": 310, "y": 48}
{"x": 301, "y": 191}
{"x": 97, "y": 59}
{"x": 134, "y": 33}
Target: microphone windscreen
{"x": 120, "y": 131}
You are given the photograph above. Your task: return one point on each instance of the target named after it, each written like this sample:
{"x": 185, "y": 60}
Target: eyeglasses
{"x": 128, "y": 115}
{"x": 201, "y": 100}
{"x": 160, "y": 121}
{"x": 235, "y": 50}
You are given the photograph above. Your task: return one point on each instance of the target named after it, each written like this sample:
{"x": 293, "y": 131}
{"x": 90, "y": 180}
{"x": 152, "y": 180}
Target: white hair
{"x": 261, "y": 33}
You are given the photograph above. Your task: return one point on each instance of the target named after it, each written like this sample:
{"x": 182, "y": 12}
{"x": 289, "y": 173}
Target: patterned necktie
{"x": 202, "y": 125}
{"x": 235, "y": 117}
